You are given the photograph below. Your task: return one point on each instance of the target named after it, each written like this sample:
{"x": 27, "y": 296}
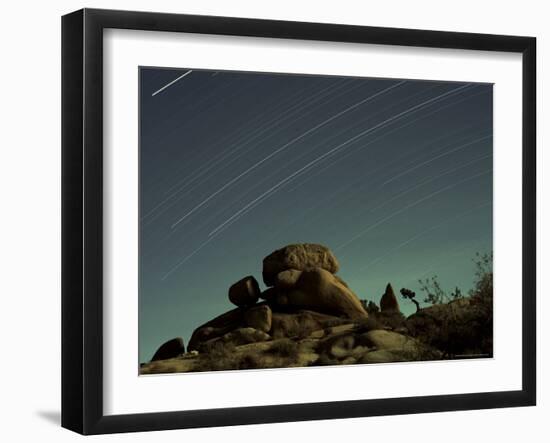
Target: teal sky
{"x": 395, "y": 176}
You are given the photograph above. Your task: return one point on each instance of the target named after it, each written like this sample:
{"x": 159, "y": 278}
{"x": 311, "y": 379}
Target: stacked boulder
{"x": 306, "y": 316}
{"x": 245, "y": 292}
{"x": 303, "y": 276}
{"x": 303, "y": 294}
{"x": 300, "y": 257}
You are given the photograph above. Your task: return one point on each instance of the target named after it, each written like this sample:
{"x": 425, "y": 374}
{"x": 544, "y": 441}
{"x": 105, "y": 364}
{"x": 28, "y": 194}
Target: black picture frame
{"x": 82, "y": 218}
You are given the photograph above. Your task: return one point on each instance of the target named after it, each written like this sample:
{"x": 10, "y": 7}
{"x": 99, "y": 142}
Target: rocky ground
{"x": 308, "y": 316}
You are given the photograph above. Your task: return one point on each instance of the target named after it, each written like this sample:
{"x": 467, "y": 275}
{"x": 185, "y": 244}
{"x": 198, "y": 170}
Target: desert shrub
{"x": 435, "y": 294}
{"x": 482, "y": 299}
{"x": 329, "y": 323}
{"x": 461, "y": 326}
{"x": 301, "y": 325}
{"x": 225, "y": 357}
{"x": 299, "y": 330}
{"x": 421, "y": 354}
{"x": 222, "y": 349}
{"x": 391, "y": 319}
{"x": 482, "y": 292}
{"x": 369, "y": 306}
{"x": 218, "y": 356}
{"x": 369, "y": 324}
{"x": 457, "y": 330}
{"x": 381, "y": 320}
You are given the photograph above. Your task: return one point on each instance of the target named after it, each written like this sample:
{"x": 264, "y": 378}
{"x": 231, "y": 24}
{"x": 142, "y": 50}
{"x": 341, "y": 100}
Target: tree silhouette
{"x": 408, "y": 294}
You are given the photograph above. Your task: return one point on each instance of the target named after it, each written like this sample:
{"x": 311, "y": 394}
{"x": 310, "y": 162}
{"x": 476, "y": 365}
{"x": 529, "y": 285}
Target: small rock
{"x": 319, "y": 333}
{"x": 339, "y": 329}
{"x": 170, "y": 349}
{"x": 259, "y": 317}
{"x": 243, "y": 336}
{"x": 245, "y": 292}
{"x": 342, "y": 346}
{"x": 359, "y": 351}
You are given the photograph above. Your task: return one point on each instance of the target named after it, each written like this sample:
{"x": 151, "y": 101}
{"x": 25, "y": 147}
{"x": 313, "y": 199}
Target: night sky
{"x": 395, "y": 176}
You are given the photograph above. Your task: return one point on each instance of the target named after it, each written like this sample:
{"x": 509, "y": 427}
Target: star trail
{"x": 394, "y": 175}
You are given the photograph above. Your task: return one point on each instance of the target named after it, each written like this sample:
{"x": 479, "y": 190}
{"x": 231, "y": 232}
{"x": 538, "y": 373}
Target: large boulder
{"x": 259, "y": 317}
{"x": 287, "y": 279}
{"x": 170, "y": 349}
{"x": 320, "y": 291}
{"x": 245, "y": 292}
{"x": 388, "y": 302}
{"x": 301, "y": 257}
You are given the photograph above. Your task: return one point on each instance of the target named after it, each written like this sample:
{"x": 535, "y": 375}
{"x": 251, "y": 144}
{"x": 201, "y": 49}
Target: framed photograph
{"x": 269, "y": 221}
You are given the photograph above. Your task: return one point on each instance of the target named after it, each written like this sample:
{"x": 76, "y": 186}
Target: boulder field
{"x": 306, "y": 316}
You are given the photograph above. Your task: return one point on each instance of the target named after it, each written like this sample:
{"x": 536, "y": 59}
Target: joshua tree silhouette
{"x": 407, "y": 293}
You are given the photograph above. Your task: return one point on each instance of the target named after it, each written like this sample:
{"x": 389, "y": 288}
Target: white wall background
{"x": 30, "y": 218}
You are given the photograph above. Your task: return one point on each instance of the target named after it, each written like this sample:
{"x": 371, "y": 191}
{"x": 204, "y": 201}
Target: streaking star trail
{"x": 393, "y": 175}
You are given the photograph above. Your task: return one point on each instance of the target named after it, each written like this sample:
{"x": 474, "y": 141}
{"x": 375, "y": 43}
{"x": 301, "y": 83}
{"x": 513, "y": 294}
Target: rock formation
{"x": 170, "y": 349}
{"x": 388, "y": 302}
{"x": 308, "y": 316}
{"x": 245, "y": 292}
{"x": 259, "y": 317}
{"x": 304, "y": 295}
{"x": 287, "y": 279}
{"x": 216, "y": 327}
{"x": 319, "y": 290}
{"x": 243, "y": 336}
